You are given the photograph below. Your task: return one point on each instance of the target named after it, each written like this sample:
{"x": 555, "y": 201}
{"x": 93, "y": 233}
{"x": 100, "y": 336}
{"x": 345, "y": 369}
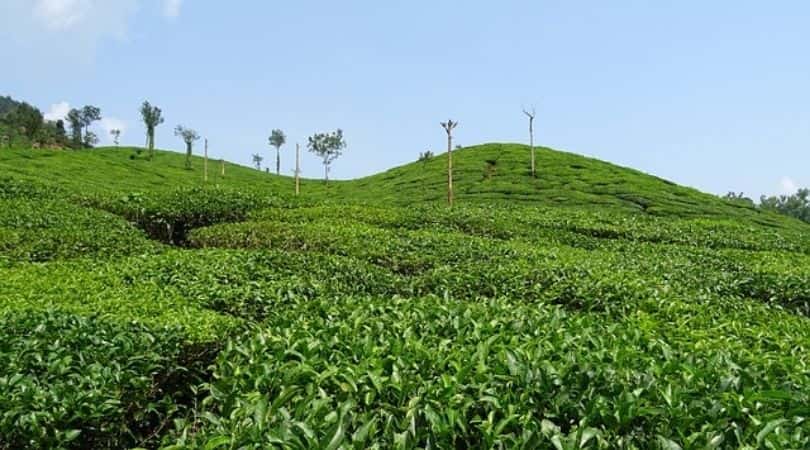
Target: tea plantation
{"x": 593, "y": 307}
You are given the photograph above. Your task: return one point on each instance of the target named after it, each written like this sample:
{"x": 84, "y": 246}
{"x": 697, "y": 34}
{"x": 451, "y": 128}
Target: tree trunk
{"x": 205, "y": 163}
{"x": 326, "y": 174}
{"x": 188, "y": 155}
{"x": 222, "y": 167}
{"x": 278, "y": 162}
{"x": 531, "y": 143}
{"x": 151, "y": 144}
{"x": 449, "y": 168}
{"x": 297, "y": 169}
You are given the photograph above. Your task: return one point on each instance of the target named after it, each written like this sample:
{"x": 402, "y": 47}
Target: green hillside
{"x": 593, "y": 307}
{"x": 484, "y": 173}
{"x": 495, "y": 172}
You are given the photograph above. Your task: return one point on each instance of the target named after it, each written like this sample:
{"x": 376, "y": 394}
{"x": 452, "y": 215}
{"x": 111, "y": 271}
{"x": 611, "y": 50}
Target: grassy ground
{"x": 591, "y": 307}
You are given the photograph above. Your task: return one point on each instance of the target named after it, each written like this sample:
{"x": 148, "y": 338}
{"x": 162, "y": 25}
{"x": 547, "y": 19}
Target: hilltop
{"x": 482, "y": 174}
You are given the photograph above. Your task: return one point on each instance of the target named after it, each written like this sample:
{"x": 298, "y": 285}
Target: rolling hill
{"x": 593, "y": 307}
{"x": 484, "y": 173}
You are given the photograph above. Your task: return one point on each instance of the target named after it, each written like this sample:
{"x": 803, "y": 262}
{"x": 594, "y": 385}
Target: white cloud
{"x": 61, "y": 14}
{"x": 171, "y": 8}
{"x": 58, "y": 111}
{"x": 788, "y": 185}
{"x": 42, "y": 35}
{"x": 111, "y": 123}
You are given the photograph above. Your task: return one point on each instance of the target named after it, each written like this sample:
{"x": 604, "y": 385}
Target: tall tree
{"x": 328, "y": 146}
{"x": 530, "y": 115}
{"x": 152, "y": 116}
{"x": 89, "y": 114}
{"x": 59, "y": 128}
{"x": 74, "y": 118}
{"x": 449, "y": 126}
{"x": 189, "y": 136}
{"x": 277, "y": 139}
{"x": 116, "y": 134}
{"x": 257, "y": 161}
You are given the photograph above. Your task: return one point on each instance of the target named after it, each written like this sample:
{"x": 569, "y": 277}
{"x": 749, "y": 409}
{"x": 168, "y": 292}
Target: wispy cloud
{"x": 43, "y": 34}
{"x": 58, "y": 111}
{"x": 61, "y": 14}
{"x": 788, "y": 185}
{"x": 171, "y": 8}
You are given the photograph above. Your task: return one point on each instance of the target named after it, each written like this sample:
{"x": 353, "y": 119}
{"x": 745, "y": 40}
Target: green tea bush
{"x": 168, "y": 216}
{"x": 38, "y": 230}
{"x": 12, "y": 187}
{"x": 106, "y": 289}
{"x": 432, "y": 373}
{"x": 586, "y": 275}
{"x": 618, "y": 319}
{"x": 80, "y": 382}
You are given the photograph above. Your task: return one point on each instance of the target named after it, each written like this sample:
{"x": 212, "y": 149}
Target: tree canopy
{"x": 277, "y": 139}
{"x": 795, "y": 205}
{"x": 189, "y": 136}
{"x": 327, "y": 146}
{"x": 152, "y": 116}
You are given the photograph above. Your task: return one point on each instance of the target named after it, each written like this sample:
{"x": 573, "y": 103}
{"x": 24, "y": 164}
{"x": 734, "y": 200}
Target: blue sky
{"x": 714, "y": 95}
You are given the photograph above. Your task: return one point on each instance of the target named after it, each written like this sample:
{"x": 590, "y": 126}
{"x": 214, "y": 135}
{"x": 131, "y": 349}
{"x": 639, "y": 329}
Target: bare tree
{"x": 449, "y": 126}
{"x": 530, "y": 115}
{"x": 189, "y": 136}
{"x": 116, "y": 134}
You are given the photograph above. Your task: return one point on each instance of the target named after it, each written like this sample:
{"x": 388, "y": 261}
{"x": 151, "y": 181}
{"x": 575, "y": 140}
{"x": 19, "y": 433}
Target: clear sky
{"x": 711, "y": 94}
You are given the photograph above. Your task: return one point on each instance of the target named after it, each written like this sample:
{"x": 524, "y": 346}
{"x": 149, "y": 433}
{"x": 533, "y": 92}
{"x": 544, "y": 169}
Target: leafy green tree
{"x": 74, "y": 118}
{"x": 796, "y": 205}
{"x": 27, "y": 118}
{"x": 59, "y": 127}
{"x": 425, "y": 156}
{"x": 257, "y": 161}
{"x": 89, "y": 114}
{"x": 7, "y": 104}
{"x": 152, "y": 116}
{"x": 189, "y": 136}
{"x": 327, "y": 146}
{"x": 277, "y": 139}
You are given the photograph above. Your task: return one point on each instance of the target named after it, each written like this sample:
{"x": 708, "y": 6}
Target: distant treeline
{"x": 23, "y": 125}
{"x": 794, "y": 205}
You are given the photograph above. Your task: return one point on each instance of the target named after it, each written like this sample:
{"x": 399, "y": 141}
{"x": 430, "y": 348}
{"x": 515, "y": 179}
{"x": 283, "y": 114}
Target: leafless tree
{"x": 531, "y": 114}
{"x": 449, "y": 126}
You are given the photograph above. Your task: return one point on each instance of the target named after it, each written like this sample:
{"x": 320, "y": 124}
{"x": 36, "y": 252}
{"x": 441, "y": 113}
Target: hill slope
{"x": 493, "y": 172}
{"x": 482, "y": 174}
{"x": 139, "y": 309}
